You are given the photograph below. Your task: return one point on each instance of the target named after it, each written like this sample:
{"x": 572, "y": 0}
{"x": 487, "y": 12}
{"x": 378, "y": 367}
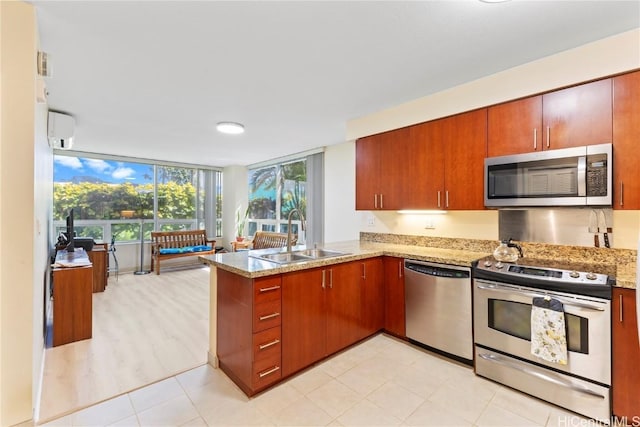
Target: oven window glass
{"x": 514, "y": 318}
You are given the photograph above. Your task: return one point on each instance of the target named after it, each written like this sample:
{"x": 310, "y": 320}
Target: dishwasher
{"x": 438, "y": 307}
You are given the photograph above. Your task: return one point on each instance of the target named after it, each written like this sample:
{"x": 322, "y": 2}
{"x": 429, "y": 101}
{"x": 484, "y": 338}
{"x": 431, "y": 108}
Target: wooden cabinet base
{"x": 72, "y": 304}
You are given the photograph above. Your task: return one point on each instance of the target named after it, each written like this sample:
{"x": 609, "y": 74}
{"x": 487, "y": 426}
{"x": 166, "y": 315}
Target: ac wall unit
{"x": 60, "y": 129}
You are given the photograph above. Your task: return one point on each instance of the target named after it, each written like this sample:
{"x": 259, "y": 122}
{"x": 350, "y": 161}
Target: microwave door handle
{"x": 582, "y": 173}
{"x": 537, "y": 295}
{"x": 541, "y": 375}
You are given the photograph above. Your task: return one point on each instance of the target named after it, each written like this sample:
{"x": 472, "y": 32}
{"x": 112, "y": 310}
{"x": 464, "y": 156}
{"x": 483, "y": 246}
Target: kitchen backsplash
{"x": 601, "y": 255}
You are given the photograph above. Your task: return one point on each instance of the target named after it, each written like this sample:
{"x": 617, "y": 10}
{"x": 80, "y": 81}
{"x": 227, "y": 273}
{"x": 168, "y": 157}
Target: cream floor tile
{"x": 174, "y": 412}
{"x": 310, "y": 380}
{"x": 360, "y": 381}
{"x": 496, "y": 416}
{"x": 131, "y": 421}
{"x": 430, "y": 414}
{"x": 459, "y": 401}
{"x": 198, "y": 377}
{"x": 302, "y": 412}
{"x": 420, "y": 382}
{"x": 396, "y": 400}
{"x": 214, "y": 395}
{"x": 562, "y": 418}
{"x": 523, "y": 405}
{"x": 334, "y": 398}
{"x": 366, "y": 413}
{"x": 155, "y": 394}
{"x": 275, "y": 400}
{"x": 105, "y": 413}
{"x": 237, "y": 414}
{"x": 196, "y": 422}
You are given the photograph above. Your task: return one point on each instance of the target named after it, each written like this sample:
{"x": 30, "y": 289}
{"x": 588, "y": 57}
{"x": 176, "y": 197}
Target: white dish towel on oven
{"x": 548, "y": 331}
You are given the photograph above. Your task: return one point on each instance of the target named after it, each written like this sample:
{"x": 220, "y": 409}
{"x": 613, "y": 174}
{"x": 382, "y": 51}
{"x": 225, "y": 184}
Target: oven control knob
{"x": 499, "y": 264}
{"x": 487, "y": 263}
{"x": 574, "y": 274}
{"x": 591, "y": 276}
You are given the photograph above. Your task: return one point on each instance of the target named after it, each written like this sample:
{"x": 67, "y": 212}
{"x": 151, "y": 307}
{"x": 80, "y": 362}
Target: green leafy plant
{"x": 241, "y": 221}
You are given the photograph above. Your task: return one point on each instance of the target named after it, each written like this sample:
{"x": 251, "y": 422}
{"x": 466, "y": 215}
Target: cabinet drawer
{"x": 267, "y": 371}
{"x": 266, "y": 315}
{"x": 266, "y": 344}
{"x": 267, "y": 289}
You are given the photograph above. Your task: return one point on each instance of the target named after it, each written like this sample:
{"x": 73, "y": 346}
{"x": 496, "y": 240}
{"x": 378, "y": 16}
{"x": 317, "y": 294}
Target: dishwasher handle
{"x": 432, "y": 269}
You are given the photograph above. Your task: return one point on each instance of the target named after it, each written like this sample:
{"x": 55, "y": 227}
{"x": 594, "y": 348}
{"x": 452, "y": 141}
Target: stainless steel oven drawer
{"x": 577, "y": 395}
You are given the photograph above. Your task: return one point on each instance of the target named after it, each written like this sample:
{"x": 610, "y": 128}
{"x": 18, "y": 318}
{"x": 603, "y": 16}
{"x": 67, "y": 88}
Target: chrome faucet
{"x": 289, "y": 226}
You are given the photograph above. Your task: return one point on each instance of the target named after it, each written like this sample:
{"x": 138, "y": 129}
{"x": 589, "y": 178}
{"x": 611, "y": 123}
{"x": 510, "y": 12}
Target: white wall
{"x": 602, "y": 58}
{"x": 235, "y": 195}
{"x": 19, "y": 232}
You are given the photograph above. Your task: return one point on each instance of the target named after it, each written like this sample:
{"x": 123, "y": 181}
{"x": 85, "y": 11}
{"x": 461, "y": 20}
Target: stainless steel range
{"x": 504, "y": 297}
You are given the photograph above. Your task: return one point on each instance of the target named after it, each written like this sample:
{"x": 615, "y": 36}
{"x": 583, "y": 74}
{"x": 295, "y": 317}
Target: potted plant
{"x": 241, "y": 221}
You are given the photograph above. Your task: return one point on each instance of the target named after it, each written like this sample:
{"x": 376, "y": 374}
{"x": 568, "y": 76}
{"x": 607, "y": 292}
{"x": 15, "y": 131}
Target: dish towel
{"x": 548, "y": 332}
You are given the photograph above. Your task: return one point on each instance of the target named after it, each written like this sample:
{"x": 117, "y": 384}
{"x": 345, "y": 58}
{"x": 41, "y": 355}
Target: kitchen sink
{"x": 301, "y": 255}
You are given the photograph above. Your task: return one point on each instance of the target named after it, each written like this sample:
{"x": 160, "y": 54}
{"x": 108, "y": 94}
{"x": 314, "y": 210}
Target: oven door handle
{"x": 499, "y": 288}
{"x": 541, "y": 375}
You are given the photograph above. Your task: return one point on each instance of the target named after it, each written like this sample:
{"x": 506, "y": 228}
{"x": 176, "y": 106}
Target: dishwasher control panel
{"x": 434, "y": 270}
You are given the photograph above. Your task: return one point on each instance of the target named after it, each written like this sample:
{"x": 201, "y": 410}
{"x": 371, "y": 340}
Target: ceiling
{"x": 150, "y": 79}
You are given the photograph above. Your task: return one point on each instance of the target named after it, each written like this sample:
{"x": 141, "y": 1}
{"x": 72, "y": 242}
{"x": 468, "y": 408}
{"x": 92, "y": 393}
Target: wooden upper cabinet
{"x": 465, "y": 147}
{"x": 572, "y": 117}
{"x": 425, "y": 171}
{"x": 626, "y": 355}
{"x": 381, "y": 165}
{"x": 579, "y": 115}
{"x": 515, "y": 127}
{"x": 626, "y": 141}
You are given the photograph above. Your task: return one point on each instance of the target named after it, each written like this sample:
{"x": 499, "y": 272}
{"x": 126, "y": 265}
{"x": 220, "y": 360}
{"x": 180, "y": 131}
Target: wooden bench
{"x": 177, "y": 244}
{"x": 263, "y": 240}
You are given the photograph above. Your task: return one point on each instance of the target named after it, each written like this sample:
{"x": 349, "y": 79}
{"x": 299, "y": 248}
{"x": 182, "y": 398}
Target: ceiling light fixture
{"x": 231, "y": 128}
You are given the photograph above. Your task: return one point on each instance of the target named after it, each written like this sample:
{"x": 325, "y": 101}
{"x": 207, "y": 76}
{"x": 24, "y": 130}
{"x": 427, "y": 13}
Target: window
{"x": 113, "y": 198}
{"x": 276, "y": 190}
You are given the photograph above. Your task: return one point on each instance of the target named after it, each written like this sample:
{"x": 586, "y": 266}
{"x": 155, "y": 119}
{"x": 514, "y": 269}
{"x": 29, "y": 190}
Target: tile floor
{"x": 380, "y": 382}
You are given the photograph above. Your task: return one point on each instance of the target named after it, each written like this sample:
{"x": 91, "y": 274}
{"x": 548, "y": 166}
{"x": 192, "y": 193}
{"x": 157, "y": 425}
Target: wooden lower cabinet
{"x": 372, "y": 297}
{"x": 325, "y": 310}
{"x": 99, "y": 257}
{"x": 394, "y": 313}
{"x": 626, "y": 356}
{"x": 72, "y": 304}
{"x": 249, "y": 330}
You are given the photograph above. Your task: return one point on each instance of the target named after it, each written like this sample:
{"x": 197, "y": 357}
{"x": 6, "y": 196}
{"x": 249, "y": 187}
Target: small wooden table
{"x": 72, "y": 297}
{"x": 245, "y": 244}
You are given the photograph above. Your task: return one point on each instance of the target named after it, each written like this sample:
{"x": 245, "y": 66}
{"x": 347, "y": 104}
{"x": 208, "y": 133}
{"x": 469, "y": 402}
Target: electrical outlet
{"x": 371, "y": 221}
{"x": 430, "y": 224}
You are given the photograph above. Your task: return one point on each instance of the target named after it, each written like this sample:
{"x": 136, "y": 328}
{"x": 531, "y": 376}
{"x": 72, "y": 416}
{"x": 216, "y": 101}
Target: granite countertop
{"x": 462, "y": 252}
{"x": 241, "y": 263}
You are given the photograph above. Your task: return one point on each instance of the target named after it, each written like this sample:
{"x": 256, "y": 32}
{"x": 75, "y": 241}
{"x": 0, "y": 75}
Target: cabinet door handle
{"x": 269, "y": 316}
{"x": 364, "y": 271}
{"x": 331, "y": 278}
{"x": 548, "y": 136}
{"x": 323, "y": 279}
{"x": 535, "y": 139}
{"x": 269, "y": 344}
{"x": 621, "y": 193}
{"x": 438, "y": 198}
{"x": 400, "y": 269}
{"x": 272, "y": 288}
{"x": 621, "y": 317}
{"x": 375, "y": 201}
{"x": 446, "y": 199}
{"x": 269, "y": 371}
{"x": 381, "y": 201}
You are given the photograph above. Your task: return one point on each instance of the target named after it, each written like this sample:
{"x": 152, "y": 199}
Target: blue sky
{"x": 65, "y": 168}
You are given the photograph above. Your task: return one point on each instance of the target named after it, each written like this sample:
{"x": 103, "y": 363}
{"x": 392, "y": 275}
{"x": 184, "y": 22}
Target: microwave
{"x": 577, "y": 176}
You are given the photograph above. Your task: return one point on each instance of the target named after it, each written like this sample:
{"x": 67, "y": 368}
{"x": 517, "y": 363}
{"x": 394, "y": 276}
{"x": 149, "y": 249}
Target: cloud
{"x": 69, "y": 162}
{"x": 98, "y": 165}
{"x": 122, "y": 172}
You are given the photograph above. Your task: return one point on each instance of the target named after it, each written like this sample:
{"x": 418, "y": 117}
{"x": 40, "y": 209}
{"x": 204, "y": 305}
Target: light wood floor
{"x": 145, "y": 328}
